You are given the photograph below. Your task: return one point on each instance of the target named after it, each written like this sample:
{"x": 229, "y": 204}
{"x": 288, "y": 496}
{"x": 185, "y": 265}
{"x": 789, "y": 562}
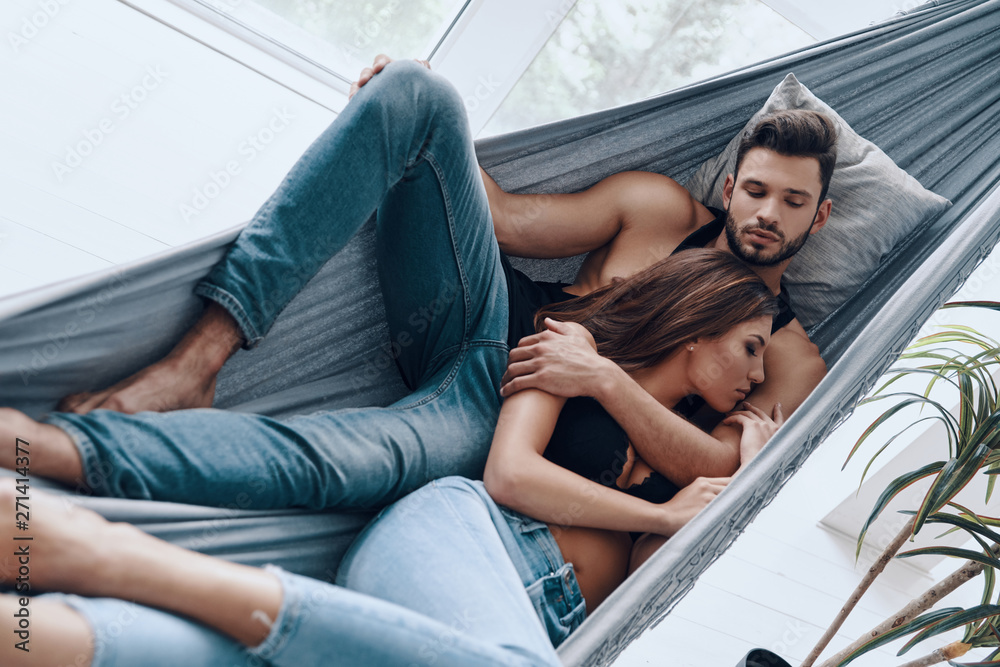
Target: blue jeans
{"x": 442, "y": 577}
{"x": 401, "y": 149}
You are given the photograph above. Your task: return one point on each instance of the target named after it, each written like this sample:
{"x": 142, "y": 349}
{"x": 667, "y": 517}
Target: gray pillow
{"x": 875, "y": 205}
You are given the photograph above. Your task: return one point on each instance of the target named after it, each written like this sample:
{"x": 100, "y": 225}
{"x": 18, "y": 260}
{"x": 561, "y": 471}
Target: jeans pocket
{"x": 520, "y": 523}
{"x": 558, "y": 602}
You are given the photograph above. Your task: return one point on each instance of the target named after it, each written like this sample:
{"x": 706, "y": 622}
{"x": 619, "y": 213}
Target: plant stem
{"x": 876, "y": 569}
{"x": 943, "y": 654}
{"x": 928, "y": 599}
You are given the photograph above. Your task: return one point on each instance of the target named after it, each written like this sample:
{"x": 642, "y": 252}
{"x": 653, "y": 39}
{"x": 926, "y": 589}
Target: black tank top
{"x": 524, "y": 298}
{"x": 586, "y": 439}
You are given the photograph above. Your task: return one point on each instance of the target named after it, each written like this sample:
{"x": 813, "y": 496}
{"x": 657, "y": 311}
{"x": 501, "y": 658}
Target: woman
{"x": 445, "y": 576}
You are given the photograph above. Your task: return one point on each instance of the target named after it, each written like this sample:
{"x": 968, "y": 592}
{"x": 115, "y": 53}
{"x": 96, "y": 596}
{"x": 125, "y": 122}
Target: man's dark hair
{"x": 795, "y": 133}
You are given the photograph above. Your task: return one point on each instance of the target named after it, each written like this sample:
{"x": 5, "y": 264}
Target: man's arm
{"x": 651, "y": 207}
{"x": 562, "y": 361}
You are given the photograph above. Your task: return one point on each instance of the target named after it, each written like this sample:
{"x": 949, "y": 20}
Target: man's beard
{"x": 757, "y": 257}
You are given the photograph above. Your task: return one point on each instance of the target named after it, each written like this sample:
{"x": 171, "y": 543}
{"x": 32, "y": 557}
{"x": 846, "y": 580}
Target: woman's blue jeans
{"x": 444, "y": 577}
{"x": 401, "y": 147}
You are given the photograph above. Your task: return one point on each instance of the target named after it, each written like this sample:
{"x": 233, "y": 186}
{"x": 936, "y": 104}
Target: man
{"x": 424, "y": 161}
{"x": 776, "y": 199}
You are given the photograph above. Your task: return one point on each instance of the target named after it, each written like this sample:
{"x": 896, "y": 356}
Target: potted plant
{"x": 972, "y": 448}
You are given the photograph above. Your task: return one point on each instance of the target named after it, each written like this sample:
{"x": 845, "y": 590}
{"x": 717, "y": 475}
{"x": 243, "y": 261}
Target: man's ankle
{"x": 209, "y": 343}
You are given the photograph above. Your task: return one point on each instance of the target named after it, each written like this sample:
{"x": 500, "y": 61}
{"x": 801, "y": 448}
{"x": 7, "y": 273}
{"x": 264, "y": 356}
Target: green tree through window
{"x": 605, "y": 54}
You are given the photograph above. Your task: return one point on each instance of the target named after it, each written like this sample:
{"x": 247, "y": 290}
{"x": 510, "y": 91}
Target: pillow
{"x": 875, "y": 205}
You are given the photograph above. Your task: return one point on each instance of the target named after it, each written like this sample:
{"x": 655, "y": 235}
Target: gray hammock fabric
{"x": 925, "y": 87}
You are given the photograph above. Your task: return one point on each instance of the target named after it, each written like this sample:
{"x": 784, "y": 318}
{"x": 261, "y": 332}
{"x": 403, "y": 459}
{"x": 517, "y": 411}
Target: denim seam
{"x": 234, "y": 308}
{"x": 544, "y": 543}
{"x": 448, "y": 352}
{"x": 441, "y": 388}
{"x": 89, "y": 457}
{"x": 466, "y": 347}
{"x": 461, "y": 521}
{"x": 490, "y": 343}
{"x": 446, "y": 197}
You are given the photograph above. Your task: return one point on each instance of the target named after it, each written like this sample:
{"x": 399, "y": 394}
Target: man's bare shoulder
{"x": 655, "y": 214}
{"x": 791, "y": 346}
{"x": 792, "y": 369}
{"x": 654, "y": 202}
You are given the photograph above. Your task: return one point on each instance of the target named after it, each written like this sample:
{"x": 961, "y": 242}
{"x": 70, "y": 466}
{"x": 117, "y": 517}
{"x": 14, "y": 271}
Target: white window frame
{"x": 484, "y": 51}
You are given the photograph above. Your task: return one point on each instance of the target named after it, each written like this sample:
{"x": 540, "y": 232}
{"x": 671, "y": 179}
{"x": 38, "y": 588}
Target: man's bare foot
{"x": 45, "y": 450}
{"x": 183, "y": 379}
{"x": 71, "y": 549}
{"x": 164, "y": 386}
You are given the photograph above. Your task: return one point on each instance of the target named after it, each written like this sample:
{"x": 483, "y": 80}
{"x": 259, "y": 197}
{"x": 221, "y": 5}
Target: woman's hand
{"x": 689, "y": 501}
{"x": 757, "y": 427}
{"x": 381, "y": 60}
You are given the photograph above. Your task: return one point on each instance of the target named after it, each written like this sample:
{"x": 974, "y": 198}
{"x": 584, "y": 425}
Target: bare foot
{"x": 164, "y": 386}
{"x": 74, "y": 550}
{"x": 41, "y": 449}
{"x": 54, "y": 545}
{"x": 185, "y": 378}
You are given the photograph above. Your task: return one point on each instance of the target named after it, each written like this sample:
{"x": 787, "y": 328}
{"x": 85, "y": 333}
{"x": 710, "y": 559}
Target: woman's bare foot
{"x": 74, "y": 550}
{"x": 42, "y": 449}
{"x": 185, "y": 378}
{"x": 55, "y": 545}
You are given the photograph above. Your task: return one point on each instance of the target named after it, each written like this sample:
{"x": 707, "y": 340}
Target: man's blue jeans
{"x": 444, "y": 577}
{"x": 401, "y": 147}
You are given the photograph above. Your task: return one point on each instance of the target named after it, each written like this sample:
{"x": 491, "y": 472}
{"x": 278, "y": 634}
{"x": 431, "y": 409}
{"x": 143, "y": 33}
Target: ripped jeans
{"x": 444, "y": 577}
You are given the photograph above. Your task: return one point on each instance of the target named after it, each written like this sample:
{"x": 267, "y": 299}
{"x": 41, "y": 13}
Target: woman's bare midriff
{"x": 601, "y": 557}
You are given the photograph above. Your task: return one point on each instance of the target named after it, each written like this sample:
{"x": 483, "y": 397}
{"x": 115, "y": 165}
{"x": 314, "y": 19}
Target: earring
{"x": 691, "y": 348}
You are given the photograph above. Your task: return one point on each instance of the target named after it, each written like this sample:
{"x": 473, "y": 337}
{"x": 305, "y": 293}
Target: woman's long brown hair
{"x": 639, "y": 321}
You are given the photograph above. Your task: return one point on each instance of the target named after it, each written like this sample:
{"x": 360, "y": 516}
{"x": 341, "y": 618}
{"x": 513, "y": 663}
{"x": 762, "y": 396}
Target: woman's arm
{"x": 756, "y": 429}
{"x": 518, "y": 476}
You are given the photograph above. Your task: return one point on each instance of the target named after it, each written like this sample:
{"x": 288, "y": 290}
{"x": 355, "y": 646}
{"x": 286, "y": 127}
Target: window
{"x": 606, "y": 54}
{"x": 336, "y": 37}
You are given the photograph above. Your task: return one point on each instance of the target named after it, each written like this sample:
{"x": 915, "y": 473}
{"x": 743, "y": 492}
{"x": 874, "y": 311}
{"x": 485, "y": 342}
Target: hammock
{"x": 924, "y": 87}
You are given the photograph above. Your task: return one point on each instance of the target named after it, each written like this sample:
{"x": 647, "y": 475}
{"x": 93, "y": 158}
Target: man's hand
{"x": 381, "y": 60}
{"x": 562, "y": 361}
{"x": 757, "y": 427}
